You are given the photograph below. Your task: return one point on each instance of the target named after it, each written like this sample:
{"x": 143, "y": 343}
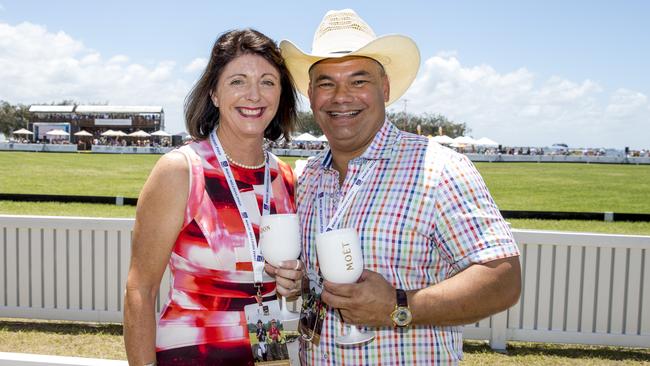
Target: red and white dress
{"x": 203, "y": 322}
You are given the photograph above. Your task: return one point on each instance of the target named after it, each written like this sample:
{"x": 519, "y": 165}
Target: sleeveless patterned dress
{"x": 203, "y": 321}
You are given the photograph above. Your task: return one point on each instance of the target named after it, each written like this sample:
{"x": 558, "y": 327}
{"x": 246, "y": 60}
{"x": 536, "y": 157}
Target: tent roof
{"x": 443, "y": 139}
{"x": 51, "y": 108}
{"x": 484, "y": 141}
{"x": 465, "y": 140}
{"x": 118, "y": 109}
{"x": 161, "y": 133}
{"x": 305, "y": 137}
{"x": 139, "y": 133}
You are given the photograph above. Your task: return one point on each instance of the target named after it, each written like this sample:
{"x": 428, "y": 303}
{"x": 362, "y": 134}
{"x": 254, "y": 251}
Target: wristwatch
{"x": 401, "y": 316}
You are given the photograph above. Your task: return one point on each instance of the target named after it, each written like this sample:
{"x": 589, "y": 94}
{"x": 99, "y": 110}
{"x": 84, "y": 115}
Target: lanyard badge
{"x": 256, "y": 255}
{"x": 347, "y": 200}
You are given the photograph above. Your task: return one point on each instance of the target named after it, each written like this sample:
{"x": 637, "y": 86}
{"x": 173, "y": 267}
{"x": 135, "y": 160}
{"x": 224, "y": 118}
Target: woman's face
{"x": 247, "y": 95}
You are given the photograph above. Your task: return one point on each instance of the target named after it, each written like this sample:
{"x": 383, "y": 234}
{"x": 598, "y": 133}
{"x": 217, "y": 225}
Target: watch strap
{"x": 402, "y": 300}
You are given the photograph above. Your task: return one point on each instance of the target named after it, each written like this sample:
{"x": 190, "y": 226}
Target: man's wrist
{"x": 401, "y": 316}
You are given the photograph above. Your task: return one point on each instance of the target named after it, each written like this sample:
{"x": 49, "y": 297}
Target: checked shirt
{"x": 424, "y": 215}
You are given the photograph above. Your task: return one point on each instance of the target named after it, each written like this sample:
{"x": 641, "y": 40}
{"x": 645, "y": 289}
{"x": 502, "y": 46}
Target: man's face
{"x": 348, "y": 96}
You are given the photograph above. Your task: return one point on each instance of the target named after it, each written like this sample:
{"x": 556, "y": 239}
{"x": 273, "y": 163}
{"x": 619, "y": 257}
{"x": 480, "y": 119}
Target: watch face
{"x": 402, "y": 316}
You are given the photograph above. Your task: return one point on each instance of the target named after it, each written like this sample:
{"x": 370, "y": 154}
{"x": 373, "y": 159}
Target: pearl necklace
{"x": 245, "y": 166}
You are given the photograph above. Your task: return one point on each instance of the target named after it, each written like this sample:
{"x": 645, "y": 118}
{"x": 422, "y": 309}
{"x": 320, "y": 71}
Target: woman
{"x": 188, "y": 216}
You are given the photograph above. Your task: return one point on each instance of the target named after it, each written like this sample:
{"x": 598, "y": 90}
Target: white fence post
{"x": 498, "y": 329}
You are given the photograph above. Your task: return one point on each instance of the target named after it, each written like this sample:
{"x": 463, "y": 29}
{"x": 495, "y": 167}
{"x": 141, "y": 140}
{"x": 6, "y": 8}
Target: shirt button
{"x": 325, "y": 355}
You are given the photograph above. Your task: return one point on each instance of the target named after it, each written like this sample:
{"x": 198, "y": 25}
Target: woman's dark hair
{"x": 201, "y": 116}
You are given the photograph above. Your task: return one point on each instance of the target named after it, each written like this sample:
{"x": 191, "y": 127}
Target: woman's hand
{"x": 288, "y": 277}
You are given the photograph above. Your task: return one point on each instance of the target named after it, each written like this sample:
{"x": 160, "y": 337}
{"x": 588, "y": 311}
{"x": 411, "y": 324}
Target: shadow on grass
{"x": 566, "y": 351}
{"x": 60, "y": 327}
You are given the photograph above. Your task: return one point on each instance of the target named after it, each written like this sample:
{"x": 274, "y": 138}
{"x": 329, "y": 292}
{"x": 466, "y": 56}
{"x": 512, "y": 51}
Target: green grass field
{"x": 514, "y": 186}
{"x": 569, "y": 187}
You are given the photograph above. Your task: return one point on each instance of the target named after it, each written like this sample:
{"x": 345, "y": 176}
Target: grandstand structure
{"x": 95, "y": 119}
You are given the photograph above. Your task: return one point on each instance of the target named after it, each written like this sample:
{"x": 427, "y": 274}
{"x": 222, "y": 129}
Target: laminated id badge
{"x": 313, "y": 309}
{"x": 269, "y": 338}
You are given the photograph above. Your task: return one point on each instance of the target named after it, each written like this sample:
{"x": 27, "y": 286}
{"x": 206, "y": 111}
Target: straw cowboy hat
{"x": 343, "y": 33}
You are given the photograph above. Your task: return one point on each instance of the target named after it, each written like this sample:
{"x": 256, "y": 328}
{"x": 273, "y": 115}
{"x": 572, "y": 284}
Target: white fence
{"x": 14, "y": 146}
{"x": 64, "y": 268}
{"x": 558, "y": 159}
{"x": 107, "y": 149}
{"x": 577, "y": 287}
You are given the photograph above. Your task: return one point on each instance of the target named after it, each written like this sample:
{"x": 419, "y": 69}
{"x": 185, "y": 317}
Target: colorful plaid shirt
{"x": 423, "y": 216}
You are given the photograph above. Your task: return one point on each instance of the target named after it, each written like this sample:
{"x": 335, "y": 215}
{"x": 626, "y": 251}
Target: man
{"x": 278, "y": 348}
{"x": 260, "y": 352}
{"x": 437, "y": 252}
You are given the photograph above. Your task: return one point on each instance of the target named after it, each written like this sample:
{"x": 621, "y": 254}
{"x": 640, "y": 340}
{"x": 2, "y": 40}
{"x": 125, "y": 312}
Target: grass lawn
{"x": 105, "y": 341}
{"x": 75, "y": 174}
{"x": 569, "y": 187}
{"x": 514, "y": 186}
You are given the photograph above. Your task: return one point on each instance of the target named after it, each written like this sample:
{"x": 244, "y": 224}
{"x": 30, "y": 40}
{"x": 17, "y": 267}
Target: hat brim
{"x": 398, "y": 54}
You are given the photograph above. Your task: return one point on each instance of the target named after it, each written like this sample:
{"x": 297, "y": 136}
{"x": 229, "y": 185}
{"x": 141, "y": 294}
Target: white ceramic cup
{"x": 280, "y": 238}
{"x": 340, "y": 261}
{"x": 339, "y": 255}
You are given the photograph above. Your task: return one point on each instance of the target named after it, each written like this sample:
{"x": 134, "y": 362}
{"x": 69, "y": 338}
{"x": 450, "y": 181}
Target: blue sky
{"x": 519, "y": 72}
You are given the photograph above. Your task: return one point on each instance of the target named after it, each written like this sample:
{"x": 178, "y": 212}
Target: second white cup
{"x": 280, "y": 238}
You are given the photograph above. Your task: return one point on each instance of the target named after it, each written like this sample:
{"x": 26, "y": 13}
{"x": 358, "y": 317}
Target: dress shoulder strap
{"x": 197, "y": 182}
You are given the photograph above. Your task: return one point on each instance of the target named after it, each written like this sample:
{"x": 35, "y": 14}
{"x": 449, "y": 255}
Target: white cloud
{"x": 40, "y": 66}
{"x": 196, "y": 65}
{"x": 517, "y": 108}
{"x": 118, "y": 59}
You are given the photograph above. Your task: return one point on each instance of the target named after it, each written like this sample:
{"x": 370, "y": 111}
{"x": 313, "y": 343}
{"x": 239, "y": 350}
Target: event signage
{"x": 113, "y": 122}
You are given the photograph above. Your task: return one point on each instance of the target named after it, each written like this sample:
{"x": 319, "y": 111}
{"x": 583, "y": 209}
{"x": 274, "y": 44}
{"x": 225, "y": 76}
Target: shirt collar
{"x": 383, "y": 146}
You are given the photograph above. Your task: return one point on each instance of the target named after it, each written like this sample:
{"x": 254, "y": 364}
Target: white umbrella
{"x": 119, "y": 133}
{"x": 305, "y": 137}
{"x": 23, "y": 131}
{"x": 464, "y": 140}
{"x": 139, "y": 133}
{"x": 108, "y": 133}
{"x": 484, "y": 141}
{"x": 83, "y": 133}
{"x": 161, "y": 133}
{"x": 322, "y": 138}
{"x": 184, "y": 135}
{"x": 57, "y": 132}
{"x": 443, "y": 139}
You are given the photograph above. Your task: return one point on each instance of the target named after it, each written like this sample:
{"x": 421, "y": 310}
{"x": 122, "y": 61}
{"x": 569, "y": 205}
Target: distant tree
{"x": 12, "y": 117}
{"x": 66, "y": 102}
{"x": 429, "y": 124}
{"x": 307, "y": 123}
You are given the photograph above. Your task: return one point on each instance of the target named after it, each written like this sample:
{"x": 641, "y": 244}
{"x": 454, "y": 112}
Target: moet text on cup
{"x": 349, "y": 264}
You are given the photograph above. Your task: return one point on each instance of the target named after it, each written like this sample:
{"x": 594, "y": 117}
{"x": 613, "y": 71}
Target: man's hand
{"x": 288, "y": 277}
{"x": 368, "y": 302}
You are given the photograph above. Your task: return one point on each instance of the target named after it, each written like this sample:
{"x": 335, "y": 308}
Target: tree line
{"x": 429, "y": 124}
{"x": 13, "y": 117}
